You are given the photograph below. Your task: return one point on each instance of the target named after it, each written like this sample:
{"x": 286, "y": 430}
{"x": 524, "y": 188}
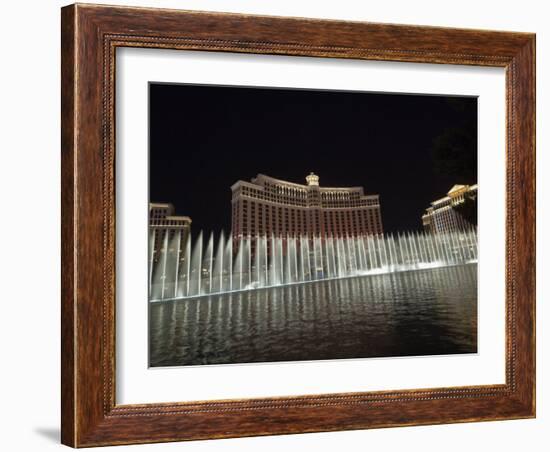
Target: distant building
{"x": 442, "y": 215}
{"x": 266, "y": 206}
{"x": 166, "y": 230}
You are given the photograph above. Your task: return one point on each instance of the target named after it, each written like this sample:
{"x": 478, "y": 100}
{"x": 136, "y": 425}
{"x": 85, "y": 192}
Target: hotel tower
{"x": 442, "y": 217}
{"x": 269, "y": 206}
{"x": 166, "y": 228}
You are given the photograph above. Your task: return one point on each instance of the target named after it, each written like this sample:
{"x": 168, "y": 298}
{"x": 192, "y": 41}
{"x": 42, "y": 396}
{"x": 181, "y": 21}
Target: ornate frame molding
{"x": 90, "y": 36}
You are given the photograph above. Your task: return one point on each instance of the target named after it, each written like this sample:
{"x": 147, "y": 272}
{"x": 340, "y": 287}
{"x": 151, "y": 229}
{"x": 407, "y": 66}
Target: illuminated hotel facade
{"x": 442, "y": 217}
{"x": 269, "y": 206}
{"x": 165, "y": 229}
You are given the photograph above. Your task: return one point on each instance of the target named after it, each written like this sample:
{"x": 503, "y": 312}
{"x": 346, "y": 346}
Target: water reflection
{"x": 424, "y": 312}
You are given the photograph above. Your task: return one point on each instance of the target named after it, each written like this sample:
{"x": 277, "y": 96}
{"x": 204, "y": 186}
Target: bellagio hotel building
{"x": 268, "y": 206}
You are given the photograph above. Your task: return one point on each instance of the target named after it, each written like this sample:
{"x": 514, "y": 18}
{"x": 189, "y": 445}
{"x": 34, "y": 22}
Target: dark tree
{"x": 454, "y": 151}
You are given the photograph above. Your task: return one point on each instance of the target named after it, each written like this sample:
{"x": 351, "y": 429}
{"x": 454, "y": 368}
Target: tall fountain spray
{"x": 184, "y": 270}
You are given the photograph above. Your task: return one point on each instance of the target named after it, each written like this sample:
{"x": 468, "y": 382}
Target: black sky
{"x": 205, "y": 138}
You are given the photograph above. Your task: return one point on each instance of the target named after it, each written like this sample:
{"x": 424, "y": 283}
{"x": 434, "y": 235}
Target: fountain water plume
{"x": 184, "y": 270}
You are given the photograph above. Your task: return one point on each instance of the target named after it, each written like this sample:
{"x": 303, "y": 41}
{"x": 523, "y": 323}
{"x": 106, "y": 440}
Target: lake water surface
{"x": 423, "y": 312}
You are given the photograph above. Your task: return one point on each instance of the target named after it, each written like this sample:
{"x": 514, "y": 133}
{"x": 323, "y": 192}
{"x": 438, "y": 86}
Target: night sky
{"x": 409, "y": 149}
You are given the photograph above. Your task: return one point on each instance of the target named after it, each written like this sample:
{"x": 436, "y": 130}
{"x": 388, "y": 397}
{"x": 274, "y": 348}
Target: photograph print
{"x": 299, "y": 225}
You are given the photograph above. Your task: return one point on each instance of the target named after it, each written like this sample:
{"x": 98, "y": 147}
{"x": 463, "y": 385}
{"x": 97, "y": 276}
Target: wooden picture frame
{"x": 90, "y": 36}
